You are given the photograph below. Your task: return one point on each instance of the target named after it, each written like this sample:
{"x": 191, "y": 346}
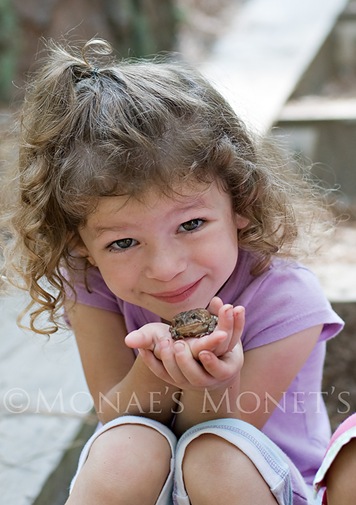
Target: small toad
{"x": 192, "y": 323}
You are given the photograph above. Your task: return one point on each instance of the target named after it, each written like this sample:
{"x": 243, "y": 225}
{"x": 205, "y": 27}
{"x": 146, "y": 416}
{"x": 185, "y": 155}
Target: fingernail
{"x": 205, "y": 355}
{"x": 180, "y": 346}
{"x": 228, "y": 311}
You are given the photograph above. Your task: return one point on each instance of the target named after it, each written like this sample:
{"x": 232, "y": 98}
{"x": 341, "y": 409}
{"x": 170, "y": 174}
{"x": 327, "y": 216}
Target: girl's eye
{"x": 122, "y": 244}
{"x": 192, "y": 225}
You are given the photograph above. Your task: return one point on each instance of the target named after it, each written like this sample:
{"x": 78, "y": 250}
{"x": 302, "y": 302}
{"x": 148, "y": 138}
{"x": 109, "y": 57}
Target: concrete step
{"x": 269, "y": 46}
{"x": 316, "y": 109}
{"x": 45, "y": 409}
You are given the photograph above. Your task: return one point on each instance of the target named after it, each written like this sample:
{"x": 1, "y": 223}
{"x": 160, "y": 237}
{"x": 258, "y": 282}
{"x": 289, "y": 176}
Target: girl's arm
{"x": 277, "y": 364}
{"x": 119, "y": 383}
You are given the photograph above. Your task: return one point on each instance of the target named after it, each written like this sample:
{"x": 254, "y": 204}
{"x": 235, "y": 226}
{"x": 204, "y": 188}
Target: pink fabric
{"x": 342, "y": 436}
{"x": 349, "y": 423}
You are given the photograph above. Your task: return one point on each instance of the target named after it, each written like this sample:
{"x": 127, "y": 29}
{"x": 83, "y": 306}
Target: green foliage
{"x": 8, "y": 48}
{"x": 142, "y": 27}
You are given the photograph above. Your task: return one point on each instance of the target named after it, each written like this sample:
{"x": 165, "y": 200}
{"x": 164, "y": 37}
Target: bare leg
{"x": 215, "y": 471}
{"x": 127, "y": 465}
{"x": 340, "y": 479}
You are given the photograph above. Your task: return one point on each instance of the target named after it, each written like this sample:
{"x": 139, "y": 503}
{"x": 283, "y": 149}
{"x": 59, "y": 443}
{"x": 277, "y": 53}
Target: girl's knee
{"x": 123, "y": 447}
{"x": 215, "y": 470}
{"x": 207, "y": 448}
{"x": 130, "y": 462}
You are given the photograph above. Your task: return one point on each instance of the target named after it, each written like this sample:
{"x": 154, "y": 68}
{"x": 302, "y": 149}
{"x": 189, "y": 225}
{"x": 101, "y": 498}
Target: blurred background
{"x": 134, "y": 27}
{"x": 289, "y": 69}
{"x": 308, "y": 82}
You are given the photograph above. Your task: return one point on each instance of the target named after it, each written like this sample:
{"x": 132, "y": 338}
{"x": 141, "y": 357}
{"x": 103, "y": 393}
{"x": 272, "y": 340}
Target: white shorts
{"x": 283, "y": 478}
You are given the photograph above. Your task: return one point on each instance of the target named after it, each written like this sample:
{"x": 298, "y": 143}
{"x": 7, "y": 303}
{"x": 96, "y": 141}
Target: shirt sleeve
{"x": 286, "y": 300}
{"x": 90, "y": 289}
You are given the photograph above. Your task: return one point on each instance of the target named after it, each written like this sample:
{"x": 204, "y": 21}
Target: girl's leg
{"x": 338, "y": 469}
{"x": 229, "y": 461}
{"x": 215, "y": 471}
{"x": 128, "y": 462}
{"x": 341, "y": 477}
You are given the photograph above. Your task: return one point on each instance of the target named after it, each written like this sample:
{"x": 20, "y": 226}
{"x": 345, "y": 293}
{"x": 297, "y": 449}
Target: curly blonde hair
{"x": 92, "y": 126}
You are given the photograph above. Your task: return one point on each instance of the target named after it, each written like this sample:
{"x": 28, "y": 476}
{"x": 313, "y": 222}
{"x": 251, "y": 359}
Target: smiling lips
{"x": 178, "y": 295}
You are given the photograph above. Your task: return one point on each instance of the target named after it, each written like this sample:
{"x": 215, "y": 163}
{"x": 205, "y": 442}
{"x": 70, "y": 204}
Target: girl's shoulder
{"x": 287, "y": 298}
{"x": 281, "y": 275}
{"x": 88, "y": 287}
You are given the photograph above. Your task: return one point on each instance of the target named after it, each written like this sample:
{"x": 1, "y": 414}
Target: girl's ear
{"x": 78, "y": 249}
{"x": 241, "y": 222}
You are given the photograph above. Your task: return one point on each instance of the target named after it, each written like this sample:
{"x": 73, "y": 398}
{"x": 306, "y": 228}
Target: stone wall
{"x": 339, "y": 385}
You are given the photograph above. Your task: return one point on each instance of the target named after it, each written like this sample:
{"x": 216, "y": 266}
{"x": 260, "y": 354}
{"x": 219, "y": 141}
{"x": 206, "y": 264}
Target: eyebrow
{"x": 197, "y": 202}
{"x": 99, "y": 230}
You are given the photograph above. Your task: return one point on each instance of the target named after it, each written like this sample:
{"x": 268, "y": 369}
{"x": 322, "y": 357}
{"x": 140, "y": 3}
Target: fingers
{"x": 239, "y": 324}
{"x": 217, "y": 307}
{"x": 148, "y": 336}
{"x": 155, "y": 365}
{"x": 231, "y": 321}
{"x": 194, "y": 374}
{"x": 194, "y": 363}
{"x": 169, "y": 355}
{"x": 226, "y": 318}
{"x": 210, "y": 342}
{"x": 224, "y": 368}
{"x": 139, "y": 339}
{"x": 215, "y": 304}
{"x": 211, "y": 371}
{"x": 178, "y": 367}
{"x": 161, "y": 361}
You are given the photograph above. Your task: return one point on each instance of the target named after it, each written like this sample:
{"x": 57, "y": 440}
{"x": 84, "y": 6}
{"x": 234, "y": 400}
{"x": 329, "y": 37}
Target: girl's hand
{"x": 193, "y": 364}
{"x": 179, "y": 368}
{"x": 228, "y": 332}
{"x": 149, "y": 337}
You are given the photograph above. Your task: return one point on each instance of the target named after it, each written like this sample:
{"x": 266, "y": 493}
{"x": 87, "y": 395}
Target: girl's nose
{"x": 165, "y": 263}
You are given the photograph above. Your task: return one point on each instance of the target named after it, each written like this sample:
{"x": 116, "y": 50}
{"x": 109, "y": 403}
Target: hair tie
{"x": 95, "y": 72}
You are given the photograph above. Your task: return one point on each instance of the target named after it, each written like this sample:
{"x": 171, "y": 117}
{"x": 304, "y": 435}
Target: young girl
{"x": 142, "y": 195}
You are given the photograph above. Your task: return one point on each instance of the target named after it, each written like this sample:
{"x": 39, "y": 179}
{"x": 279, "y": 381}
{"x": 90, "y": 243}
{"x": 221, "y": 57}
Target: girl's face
{"x": 165, "y": 254}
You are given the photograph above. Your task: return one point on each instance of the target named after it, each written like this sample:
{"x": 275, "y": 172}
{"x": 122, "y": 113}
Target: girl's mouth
{"x": 178, "y": 295}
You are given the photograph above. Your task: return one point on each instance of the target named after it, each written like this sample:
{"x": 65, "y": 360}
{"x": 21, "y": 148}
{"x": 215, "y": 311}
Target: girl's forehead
{"x": 178, "y": 193}
{"x": 179, "y": 197}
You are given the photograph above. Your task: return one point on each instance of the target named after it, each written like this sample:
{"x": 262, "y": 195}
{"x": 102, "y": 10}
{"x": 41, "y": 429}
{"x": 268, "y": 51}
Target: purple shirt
{"x": 284, "y": 300}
